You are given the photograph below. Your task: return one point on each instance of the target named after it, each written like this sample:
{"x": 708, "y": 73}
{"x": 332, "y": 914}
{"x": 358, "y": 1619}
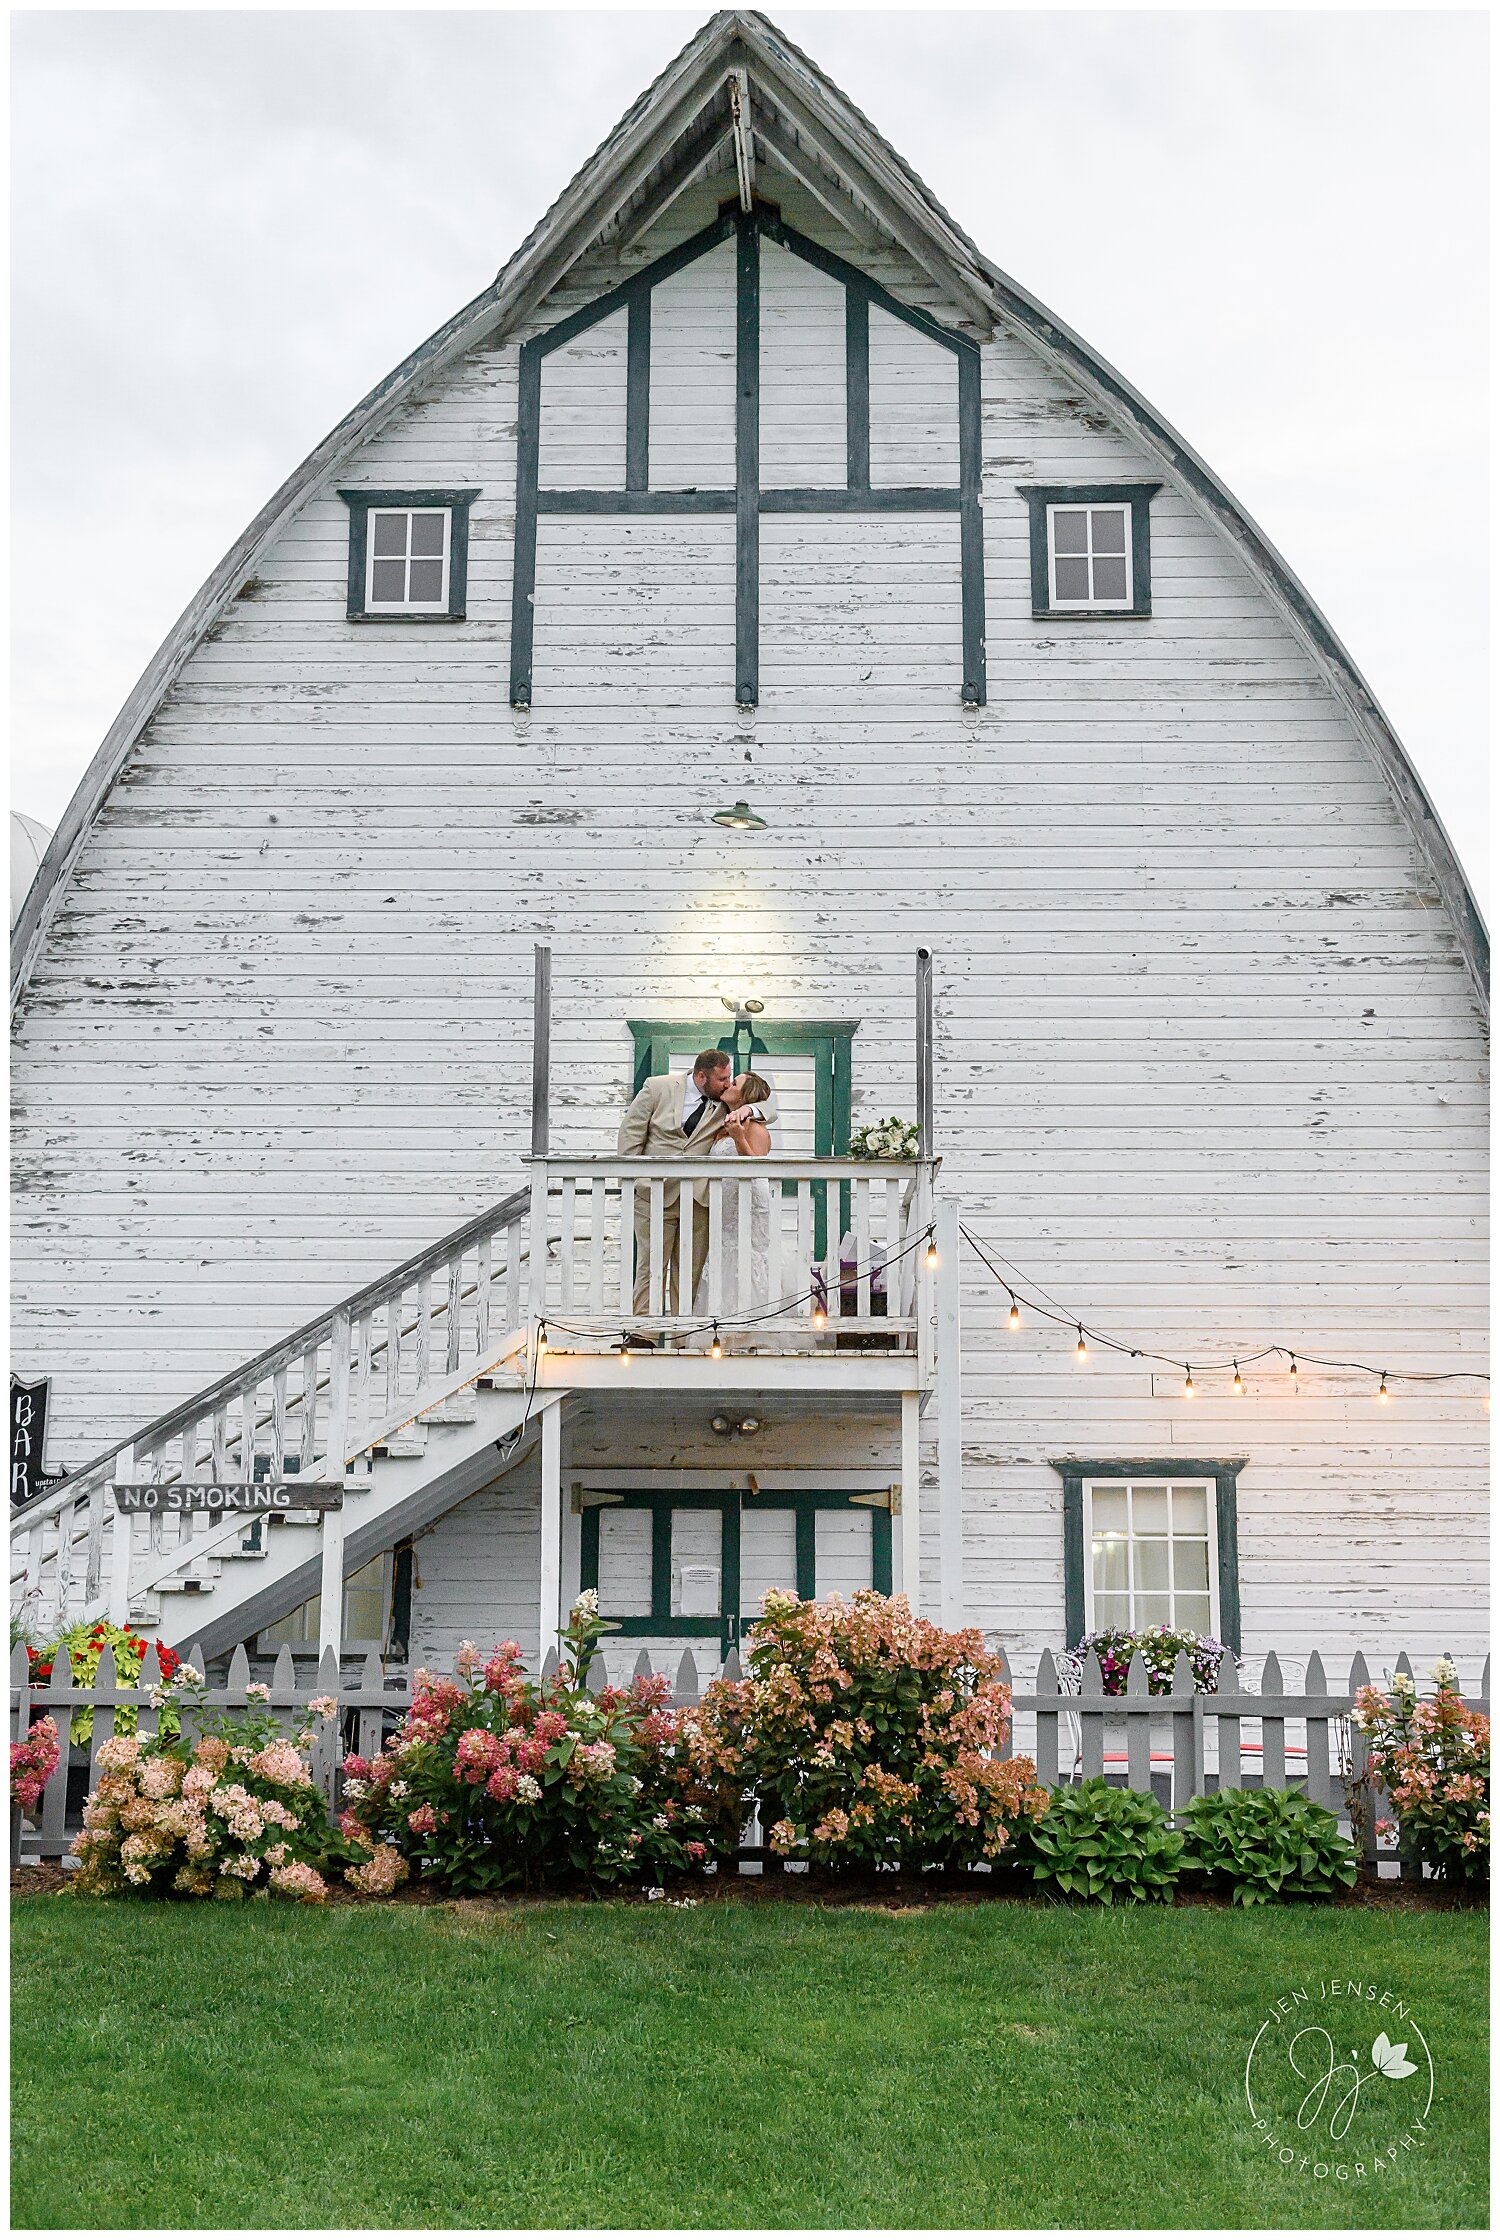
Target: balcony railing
{"x": 822, "y": 1249}
{"x": 789, "y": 1249}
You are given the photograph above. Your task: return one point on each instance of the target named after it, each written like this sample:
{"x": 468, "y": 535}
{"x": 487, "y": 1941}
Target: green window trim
{"x": 730, "y": 1623}
{"x": 361, "y": 503}
{"x": 1223, "y": 1476}
{"x": 1137, "y": 496}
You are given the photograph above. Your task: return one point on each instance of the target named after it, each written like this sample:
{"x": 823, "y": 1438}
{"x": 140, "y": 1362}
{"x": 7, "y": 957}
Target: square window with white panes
{"x": 1088, "y": 556}
{"x": 1152, "y": 1554}
{"x": 407, "y": 559}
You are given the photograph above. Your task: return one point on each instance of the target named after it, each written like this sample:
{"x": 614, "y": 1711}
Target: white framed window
{"x": 408, "y": 558}
{"x": 408, "y": 554}
{"x": 1091, "y": 549}
{"x": 1089, "y": 556}
{"x": 1151, "y": 1553}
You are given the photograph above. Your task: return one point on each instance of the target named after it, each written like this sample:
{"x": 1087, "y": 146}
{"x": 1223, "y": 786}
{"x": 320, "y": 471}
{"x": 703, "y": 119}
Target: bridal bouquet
{"x": 886, "y": 1139}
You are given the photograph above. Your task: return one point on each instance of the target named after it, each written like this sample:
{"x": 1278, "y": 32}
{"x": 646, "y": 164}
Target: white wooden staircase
{"x": 400, "y": 1393}
{"x": 430, "y": 1382}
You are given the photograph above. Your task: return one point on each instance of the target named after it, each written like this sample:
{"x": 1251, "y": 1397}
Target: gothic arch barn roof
{"x": 738, "y": 93}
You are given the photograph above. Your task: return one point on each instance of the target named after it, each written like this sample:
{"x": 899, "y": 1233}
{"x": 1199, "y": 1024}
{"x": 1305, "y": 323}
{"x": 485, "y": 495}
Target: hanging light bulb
{"x": 819, "y": 1316}
{"x": 1080, "y": 1351}
{"x": 716, "y": 1350}
{"x": 1014, "y": 1317}
{"x": 1293, "y": 1359}
{"x": 1239, "y": 1382}
{"x": 932, "y": 1250}
{"x": 541, "y": 1339}
{"x": 1187, "y": 1390}
{"x": 624, "y": 1346}
{"x": 1382, "y": 1394}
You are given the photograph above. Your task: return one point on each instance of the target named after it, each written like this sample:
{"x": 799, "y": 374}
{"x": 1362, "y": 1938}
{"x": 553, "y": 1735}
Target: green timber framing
{"x": 1222, "y": 1476}
{"x": 747, "y": 501}
{"x": 730, "y": 1622}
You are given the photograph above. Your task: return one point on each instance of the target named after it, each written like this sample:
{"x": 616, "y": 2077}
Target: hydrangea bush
{"x": 1432, "y": 1758}
{"x": 497, "y": 1778}
{"x": 1160, "y": 1647}
{"x": 869, "y": 1735}
{"x": 33, "y": 1763}
{"x": 232, "y": 1812}
{"x": 886, "y": 1139}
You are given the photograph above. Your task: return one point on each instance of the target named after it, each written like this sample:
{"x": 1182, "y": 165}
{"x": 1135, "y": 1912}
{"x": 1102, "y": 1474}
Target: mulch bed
{"x": 885, "y": 1894}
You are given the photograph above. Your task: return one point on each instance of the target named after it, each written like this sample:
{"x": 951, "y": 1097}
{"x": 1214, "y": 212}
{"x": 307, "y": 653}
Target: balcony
{"x": 799, "y": 1257}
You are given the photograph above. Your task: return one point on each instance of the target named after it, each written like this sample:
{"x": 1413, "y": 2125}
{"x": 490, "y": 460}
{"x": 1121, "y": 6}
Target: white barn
{"x": 751, "y": 479}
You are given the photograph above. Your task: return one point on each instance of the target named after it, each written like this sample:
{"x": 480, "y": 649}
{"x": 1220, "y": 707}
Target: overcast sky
{"x": 228, "y": 226}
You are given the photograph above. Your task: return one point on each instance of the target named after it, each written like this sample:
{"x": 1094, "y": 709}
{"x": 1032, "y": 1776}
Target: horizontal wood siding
{"x": 692, "y": 376}
{"x": 1207, "y": 1067}
{"x": 803, "y": 425}
{"x": 913, "y": 406}
{"x": 583, "y": 410}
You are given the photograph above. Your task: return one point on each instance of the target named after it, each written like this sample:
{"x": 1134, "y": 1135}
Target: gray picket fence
{"x": 1181, "y": 1745}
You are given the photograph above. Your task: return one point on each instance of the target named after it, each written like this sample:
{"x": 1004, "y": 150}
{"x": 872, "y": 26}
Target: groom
{"x": 673, "y": 1116}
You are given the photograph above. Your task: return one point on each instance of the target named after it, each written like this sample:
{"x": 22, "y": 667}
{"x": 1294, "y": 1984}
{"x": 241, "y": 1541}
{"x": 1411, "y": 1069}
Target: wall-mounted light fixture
{"x": 741, "y": 818}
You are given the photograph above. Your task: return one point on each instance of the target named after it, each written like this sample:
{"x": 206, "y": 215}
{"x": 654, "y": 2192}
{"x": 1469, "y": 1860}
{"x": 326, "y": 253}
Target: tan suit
{"x": 652, "y": 1128}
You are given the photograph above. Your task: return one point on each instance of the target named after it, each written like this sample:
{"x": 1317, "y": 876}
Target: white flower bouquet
{"x": 886, "y": 1139}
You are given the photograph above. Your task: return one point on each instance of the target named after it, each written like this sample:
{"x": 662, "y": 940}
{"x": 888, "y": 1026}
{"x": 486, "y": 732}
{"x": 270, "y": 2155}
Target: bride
{"x": 745, "y": 1135}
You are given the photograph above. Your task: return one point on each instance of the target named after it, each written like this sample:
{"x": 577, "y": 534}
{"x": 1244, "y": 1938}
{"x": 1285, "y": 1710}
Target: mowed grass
{"x": 735, "y": 2065}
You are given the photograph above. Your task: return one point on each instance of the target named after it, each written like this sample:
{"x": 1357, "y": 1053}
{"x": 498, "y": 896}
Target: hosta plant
{"x": 871, "y": 1737}
{"x": 231, "y": 1813}
{"x": 1101, "y": 1843}
{"x": 497, "y": 1778}
{"x": 1267, "y": 1843}
{"x": 1159, "y": 1646}
{"x": 1432, "y": 1758}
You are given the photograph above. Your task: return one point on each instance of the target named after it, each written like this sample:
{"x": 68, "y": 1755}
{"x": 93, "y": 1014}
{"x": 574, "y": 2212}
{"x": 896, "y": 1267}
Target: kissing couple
{"x": 706, "y": 1113}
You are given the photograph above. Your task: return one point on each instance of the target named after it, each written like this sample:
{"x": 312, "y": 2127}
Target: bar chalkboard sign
{"x": 253, "y": 1500}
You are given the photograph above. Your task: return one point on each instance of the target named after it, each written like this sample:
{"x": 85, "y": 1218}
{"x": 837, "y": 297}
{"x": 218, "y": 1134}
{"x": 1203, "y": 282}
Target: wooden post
{"x": 119, "y": 1546}
{"x": 541, "y": 1048}
{"x": 331, "y": 1578}
{"x": 550, "y": 1583}
{"x": 949, "y": 1367}
{"x": 924, "y": 1053}
{"x": 911, "y": 1500}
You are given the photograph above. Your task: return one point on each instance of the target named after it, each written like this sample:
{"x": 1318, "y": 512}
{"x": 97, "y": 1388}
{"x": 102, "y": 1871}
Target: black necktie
{"x": 691, "y": 1122}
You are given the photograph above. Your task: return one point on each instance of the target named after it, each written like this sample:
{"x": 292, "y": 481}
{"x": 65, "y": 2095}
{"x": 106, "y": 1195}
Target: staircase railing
{"x": 313, "y": 1401}
{"x": 799, "y": 1255}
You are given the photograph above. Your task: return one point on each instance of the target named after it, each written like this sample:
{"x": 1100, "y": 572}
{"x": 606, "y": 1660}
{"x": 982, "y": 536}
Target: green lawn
{"x": 736, "y": 2065}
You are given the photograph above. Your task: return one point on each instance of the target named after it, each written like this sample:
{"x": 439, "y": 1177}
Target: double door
{"x": 676, "y": 1568}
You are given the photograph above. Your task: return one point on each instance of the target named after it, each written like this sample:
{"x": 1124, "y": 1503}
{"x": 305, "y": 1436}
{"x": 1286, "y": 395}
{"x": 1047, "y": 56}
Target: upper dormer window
{"x": 408, "y": 554}
{"x": 1091, "y": 550}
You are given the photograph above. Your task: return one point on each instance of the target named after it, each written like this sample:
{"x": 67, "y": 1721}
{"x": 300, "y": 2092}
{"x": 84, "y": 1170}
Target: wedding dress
{"x": 744, "y": 1289}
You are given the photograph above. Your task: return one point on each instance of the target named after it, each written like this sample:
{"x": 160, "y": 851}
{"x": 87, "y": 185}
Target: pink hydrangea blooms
{"x": 299, "y": 1880}
{"x": 33, "y": 1763}
{"x": 379, "y": 1877}
{"x": 592, "y": 1761}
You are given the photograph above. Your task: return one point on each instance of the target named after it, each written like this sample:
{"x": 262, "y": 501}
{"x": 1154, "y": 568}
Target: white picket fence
{"x": 1183, "y": 1744}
